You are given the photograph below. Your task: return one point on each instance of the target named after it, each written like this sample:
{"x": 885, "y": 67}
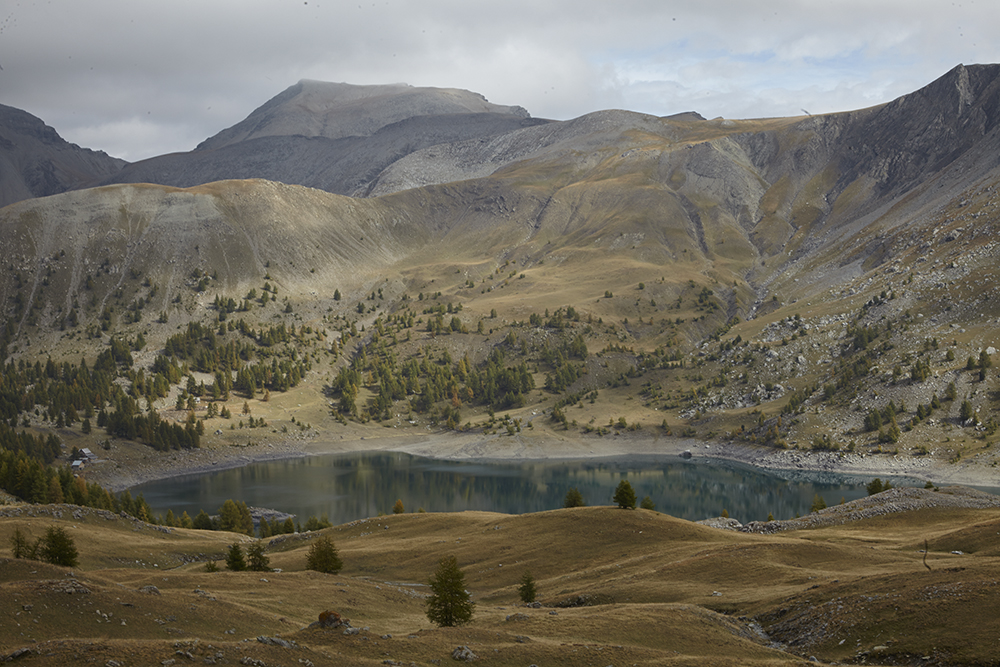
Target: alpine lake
{"x": 347, "y": 487}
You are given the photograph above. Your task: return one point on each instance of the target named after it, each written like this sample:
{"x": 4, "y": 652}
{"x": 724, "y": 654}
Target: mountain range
{"x": 670, "y": 235}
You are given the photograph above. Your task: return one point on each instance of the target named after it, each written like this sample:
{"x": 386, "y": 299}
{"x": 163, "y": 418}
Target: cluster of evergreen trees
{"x": 429, "y": 382}
{"x": 29, "y": 479}
{"x": 202, "y": 347}
{"x": 564, "y": 373}
{"x": 57, "y": 392}
{"x": 127, "y": 421}
{"x": 65, "y": 394}
{"x": 55, "y": 547}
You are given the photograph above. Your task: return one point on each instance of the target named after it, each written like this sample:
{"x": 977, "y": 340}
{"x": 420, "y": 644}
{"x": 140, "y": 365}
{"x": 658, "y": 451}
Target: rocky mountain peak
{"x": 14, "y": 120}
{"x": 36, "y": 162}
{"x": 340, "y": 110}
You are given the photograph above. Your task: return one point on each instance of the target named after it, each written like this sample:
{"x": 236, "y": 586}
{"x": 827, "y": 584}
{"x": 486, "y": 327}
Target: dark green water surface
{"x": 354, "y": 486}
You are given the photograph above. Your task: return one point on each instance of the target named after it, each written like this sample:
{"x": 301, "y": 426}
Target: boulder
{"x": 276, "y": 641}
{"x": 331, "y": 619}
{"x": 723, "y": 523}
{"x": 22, "y": 653}
{"x": 463, "y": 653}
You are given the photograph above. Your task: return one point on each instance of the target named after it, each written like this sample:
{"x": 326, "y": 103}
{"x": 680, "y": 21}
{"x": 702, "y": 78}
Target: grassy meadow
{"x": 616, "y": 587}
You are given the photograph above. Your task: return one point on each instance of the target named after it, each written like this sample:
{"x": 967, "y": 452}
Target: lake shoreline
{"x": 127, "y": 464}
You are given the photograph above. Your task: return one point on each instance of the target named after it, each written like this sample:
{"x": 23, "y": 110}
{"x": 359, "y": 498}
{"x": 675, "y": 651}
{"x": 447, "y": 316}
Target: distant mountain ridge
{"x": 335, "y": 137}
{"x": 378, "y": 139}
{"x": 757, "y": 194}
{"x": 36, "y": 162}
{"x": 753, "y": 196}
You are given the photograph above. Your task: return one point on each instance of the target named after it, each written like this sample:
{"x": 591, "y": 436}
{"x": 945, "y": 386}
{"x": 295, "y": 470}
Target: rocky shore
{"x": 892, "y": 501}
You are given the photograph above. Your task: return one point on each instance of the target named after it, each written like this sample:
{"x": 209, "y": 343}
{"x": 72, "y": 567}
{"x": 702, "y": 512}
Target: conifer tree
{"x": 323, "y": 556}
{"x": 527, "y": 590}
{"x": 57, "y": 547}
{"x": 625, "y": 495}
{"x": 202, "y": 521}
{"x": 21, "y": 546}
{"x": 573, "y": 498}
{"x": 235, "y": 517}
{"x": 818, "y": 503}
{"x": 257, "y": 560}
{"x": 449, "y": 603}
{"x": 235, "y": 560}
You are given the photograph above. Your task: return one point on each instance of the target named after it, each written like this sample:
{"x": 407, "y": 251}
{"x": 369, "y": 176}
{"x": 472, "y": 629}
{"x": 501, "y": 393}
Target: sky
{"x": 138, "y": 78}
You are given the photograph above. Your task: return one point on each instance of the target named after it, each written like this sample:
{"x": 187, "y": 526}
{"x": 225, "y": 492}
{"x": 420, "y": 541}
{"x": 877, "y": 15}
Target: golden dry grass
{"x": 662, "y": 591}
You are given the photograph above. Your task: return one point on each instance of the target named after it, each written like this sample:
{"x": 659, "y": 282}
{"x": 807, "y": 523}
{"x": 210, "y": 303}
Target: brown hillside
{"x": 615, "y": 585}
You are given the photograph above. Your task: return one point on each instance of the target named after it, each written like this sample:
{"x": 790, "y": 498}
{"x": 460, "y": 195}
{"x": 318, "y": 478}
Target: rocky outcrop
{"x": 463, "y": 654}
{"x": 330, "y": 620}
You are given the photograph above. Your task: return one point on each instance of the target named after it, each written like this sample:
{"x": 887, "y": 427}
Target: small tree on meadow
{"x": 317, "y": 524}
{"x": 22, "y": 547}
{"x": 527, "y": 590}
{"x": 625, "y": 495}
{"x": 647, "y": 504}
{"x": 57, "y": 547}
{"x": 398, "y": 507}
{"x": 257, "y": 560}
{"x": 574, "y": 498}
{"x": 323, "y": 556}
{"x": 235, "y": 560}
{"x": 449, "y": 603}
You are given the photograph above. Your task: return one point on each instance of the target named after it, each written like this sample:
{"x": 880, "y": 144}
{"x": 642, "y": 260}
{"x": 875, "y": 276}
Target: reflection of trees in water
{"x": 348, "y": 487}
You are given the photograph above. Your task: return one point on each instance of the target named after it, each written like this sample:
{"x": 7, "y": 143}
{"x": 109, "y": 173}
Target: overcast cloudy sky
{"x": 138, "y": 78}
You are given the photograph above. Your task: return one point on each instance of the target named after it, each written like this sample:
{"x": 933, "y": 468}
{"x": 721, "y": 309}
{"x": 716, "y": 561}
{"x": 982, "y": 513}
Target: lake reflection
{"x": 355, "y": 486}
